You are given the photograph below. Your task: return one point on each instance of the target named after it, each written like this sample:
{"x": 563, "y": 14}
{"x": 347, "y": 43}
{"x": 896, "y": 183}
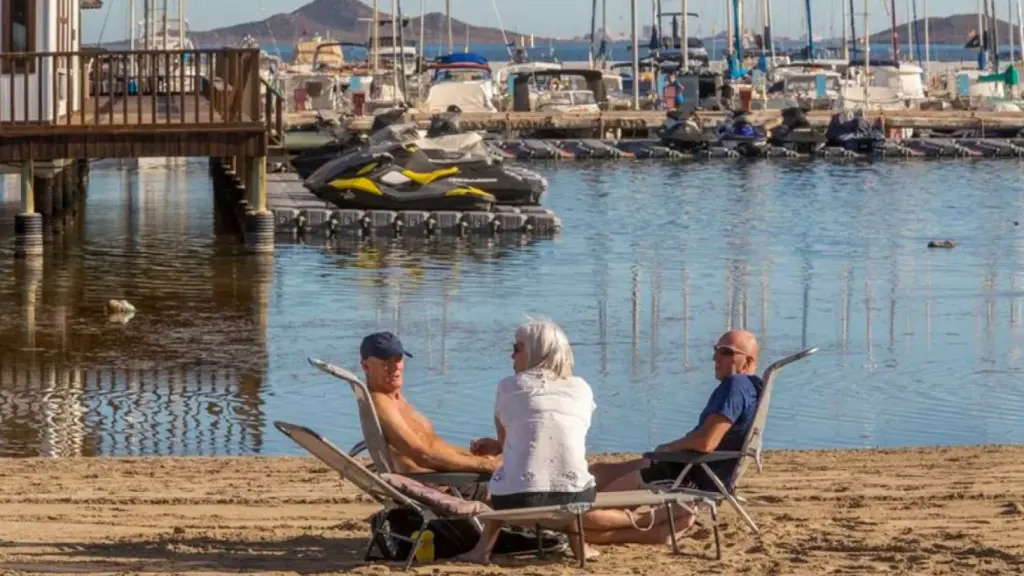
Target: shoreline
{"x": 935, "y": 510}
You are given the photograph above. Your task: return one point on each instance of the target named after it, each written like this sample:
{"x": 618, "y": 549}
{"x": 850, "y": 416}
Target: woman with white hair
{"x": 542, "y": 415}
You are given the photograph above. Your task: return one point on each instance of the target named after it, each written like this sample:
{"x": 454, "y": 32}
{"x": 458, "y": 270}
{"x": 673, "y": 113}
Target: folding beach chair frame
{"x": 375, "y": 442}
{"x": 372, "y": 484}
{"x": 751, "y": 450}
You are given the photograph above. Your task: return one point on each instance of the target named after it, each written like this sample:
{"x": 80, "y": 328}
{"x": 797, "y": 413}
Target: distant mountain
{"x": 949, "y": 30}
{"x": 341, "y": 19}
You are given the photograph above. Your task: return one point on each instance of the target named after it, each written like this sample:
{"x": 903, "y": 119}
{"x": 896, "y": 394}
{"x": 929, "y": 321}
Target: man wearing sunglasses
{"x": 723, "y": 424}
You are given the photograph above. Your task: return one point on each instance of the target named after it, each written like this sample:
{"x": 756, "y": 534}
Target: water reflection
{"x": 655, "y": 261}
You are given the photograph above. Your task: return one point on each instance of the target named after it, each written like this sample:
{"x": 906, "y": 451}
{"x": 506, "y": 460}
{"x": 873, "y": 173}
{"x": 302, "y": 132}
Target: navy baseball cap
{"x": 382, "y": 345}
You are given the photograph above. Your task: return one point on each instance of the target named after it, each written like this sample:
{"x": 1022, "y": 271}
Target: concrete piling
{"x": 28, "y": 225}
{"x": 259, "y": 222}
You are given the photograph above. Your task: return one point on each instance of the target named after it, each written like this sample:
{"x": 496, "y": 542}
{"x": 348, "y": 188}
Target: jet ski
{"x": 854, "y": 133}
{"x": 736, "y": 132}
{"x": 459, "y": 157}
{"x": 373, "y": 179}
{"x": 682, "y": 132}
{"x": 344, "y": 140}
{"x": 795, "y": 133}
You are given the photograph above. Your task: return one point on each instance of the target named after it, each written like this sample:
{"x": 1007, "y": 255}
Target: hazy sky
{"x": 547, "y": 17}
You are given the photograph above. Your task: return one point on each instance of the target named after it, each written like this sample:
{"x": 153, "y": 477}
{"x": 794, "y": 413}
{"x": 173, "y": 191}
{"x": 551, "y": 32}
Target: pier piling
{"x": 70, "y": 191}
{"x": 259, "y": 222}
{"x": 42, "y": 186}
{"x": 57, "y": 187}
{"x": 28, "y": 225}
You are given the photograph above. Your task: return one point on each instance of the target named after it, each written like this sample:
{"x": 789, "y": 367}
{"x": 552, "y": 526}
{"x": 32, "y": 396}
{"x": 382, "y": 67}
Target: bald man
{"x": 723, "y": 424}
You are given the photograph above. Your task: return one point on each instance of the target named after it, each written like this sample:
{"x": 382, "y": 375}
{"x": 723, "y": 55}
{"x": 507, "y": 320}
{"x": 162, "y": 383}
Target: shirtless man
{"x": 415, "y": 446}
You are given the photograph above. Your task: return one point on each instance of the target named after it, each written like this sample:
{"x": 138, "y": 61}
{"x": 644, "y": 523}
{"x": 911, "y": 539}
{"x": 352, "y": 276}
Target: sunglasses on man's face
{"x": 517, "y": 348}
{"x": 727, "y": 351}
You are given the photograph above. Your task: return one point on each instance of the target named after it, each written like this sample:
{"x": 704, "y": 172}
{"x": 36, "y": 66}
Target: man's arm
{"x": 430, "y": 453}
{"x": 726, "y": 405}
{"x": 703, "y": 439}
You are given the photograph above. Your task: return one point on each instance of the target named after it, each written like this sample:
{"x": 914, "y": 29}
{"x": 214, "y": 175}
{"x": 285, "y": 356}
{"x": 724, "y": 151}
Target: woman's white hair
{"x": 546, "y": 347}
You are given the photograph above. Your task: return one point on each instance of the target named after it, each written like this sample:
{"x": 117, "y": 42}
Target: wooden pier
{"x": 60, "y": 108}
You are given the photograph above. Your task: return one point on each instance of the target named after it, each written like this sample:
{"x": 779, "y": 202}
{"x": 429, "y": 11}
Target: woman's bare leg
{"x": 629, "y": 481}
{"x": 481, "y": 553}
{"x": 607, "y": 472}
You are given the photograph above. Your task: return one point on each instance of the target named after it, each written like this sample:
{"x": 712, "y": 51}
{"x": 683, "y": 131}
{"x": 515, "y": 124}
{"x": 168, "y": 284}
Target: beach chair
{"x": 751, "y": 450}
{"x": 394, "y": 491}
{"x": 376, "y": 444}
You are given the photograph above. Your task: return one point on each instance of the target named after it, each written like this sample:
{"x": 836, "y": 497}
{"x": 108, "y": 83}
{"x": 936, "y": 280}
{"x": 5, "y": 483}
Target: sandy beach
{"x": 916, "y": 511}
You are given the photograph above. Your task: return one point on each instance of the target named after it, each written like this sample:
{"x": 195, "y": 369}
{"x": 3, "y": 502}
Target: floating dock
{"x": 594, "y": 149}
{"x": 297, "y": 211}
{"x": 513, "y": 122}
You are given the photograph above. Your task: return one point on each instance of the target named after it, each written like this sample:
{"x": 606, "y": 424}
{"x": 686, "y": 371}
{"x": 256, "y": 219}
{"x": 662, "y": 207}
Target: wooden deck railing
{"x": 138, "y": 88}
{"x": 273, "y": 114}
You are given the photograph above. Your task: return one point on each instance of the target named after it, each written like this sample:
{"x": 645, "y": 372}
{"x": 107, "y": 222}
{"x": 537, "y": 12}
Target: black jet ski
{"x": 344, "y": 140}
{"x": 736, "y": 132}
{"x": 373, "y": 179}
{"x": 795, "y": 133}
{"x": 854, "y": 133}
{"x": 511, "y": 185}
{"x": 682, "y": 132}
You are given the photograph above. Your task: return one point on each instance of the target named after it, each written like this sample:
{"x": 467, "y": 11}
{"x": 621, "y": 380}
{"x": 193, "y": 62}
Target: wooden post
{"x": 28, "y": 199}
{"x": 257, "y": 185}
{"x": 259, "y": 222}
{"x": 28, "y": 225}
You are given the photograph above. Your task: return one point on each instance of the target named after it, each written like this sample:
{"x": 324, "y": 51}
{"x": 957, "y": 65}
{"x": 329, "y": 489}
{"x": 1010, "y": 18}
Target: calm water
{"x": 918, "y": 346}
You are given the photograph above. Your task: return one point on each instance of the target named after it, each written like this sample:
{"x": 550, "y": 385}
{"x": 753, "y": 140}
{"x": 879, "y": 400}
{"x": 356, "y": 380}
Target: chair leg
{"x": 540, "y": 540}
{"x": 581, "y": 539}
{"x": 672, "y": 527}
{"x": 369, "y": 547}
{"x": 714, "y": 528}
{"x": 415, "y": 546}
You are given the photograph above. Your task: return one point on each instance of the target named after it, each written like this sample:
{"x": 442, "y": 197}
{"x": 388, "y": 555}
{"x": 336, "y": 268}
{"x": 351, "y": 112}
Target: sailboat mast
{"x": 593, "y": 30}
{"x": 927, "y": 44}
{"x": 910, "y": 32}
{"x": 395, "y": 53}
{"x": 853, "y": 26}
{"x": 684, "y": 42}
{"x": 181, "y": 23}
{"x": 995, "y": 37}
{"x": 728, "y": 28}
{"x": 375, "y": 39}
{"x": 1020, "y": 26}
{"x": 846, "y": 39}
{"x": 448, "y": 18}
{"x": 636, "y": 56}
{"x": 738, "y": 29}
{"x": 867, "y": 53}
{"x": 1009, "y": 11}
{"x": 895, "y": 35}
{"x": 769, "y": 42}
{"x": 131, "y": 28}
{"x": 810, "y": 33}
{"x": 423, "y": 14}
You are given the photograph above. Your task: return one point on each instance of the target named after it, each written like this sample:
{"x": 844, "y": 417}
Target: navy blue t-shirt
{"x": 736, "y": 399}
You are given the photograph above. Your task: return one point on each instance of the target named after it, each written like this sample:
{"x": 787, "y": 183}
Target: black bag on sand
{"x": 451, "y": 536}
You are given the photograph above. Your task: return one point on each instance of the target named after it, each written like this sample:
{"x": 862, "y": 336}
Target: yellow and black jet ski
{"x": 371, "y": 179}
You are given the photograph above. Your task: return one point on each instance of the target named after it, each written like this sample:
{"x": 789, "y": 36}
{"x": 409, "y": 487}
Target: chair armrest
{"x": 691, "y": 457}
{"x": 450, "y": 478}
